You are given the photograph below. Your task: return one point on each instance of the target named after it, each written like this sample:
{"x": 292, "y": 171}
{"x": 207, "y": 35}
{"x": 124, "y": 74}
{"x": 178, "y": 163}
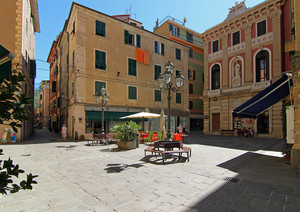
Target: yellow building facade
{"x": 96, "y": 50}
{"x": 19, "y": 19}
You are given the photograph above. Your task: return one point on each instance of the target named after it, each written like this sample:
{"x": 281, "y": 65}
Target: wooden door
{"x": 216, "y": 122}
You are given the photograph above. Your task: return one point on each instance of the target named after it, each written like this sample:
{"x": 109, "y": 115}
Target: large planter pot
{"x": 126, "y": 144}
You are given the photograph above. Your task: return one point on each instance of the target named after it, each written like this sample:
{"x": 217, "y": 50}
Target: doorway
{"x": 215, "y": 122}
{"x": 263, "y": 123}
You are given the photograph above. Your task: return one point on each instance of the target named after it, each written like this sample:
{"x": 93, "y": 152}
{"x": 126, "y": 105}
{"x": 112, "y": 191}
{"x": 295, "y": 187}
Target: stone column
{"x": 225, "y": 83}
{"x": 295, "y": 157}
{"x": 248, "y": 55}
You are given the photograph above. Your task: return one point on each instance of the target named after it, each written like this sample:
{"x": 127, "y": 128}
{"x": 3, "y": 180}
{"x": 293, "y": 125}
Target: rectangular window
{"x": 100, "y": 28}
{"x": 261, "y": 28}
{"x": 191, "y": 53}
{"x": 157, "y": 71}
{"x": 130, "y": 39}
{"x": 159, "y": 48}
{"x": 132, "y": 92}
{"x": 190, "y": 75}
{"x": 100, "y": 60}
{"x": 73, "y": 59}
{"x": 215, "y": 46}
{"x": 178, "y": 54}
{"x": 191, "y": 88}
{"x": 189, "y": 37}
{"x": 178, "y": 98}
{"x": 236, "y": 38}
{"x": 131, "y": 67}
{"x": 191, "y": 105}
{"x": 157, "y": 95}
{"x": 98, "y": 86}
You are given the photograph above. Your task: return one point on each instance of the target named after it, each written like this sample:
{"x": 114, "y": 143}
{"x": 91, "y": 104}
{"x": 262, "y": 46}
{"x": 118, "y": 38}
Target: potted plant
{"x": 127, "y": 134}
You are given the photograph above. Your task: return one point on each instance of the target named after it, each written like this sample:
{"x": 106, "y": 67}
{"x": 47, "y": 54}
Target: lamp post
{"x": 102, "y": 101}
{"x": 166, "y": 78}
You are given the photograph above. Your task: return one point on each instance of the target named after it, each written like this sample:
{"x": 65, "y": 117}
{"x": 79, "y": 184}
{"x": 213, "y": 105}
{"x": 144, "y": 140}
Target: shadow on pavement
{"x": 233, "y": 142}
{"x": 118, "y": 167}
{"x": 262, "y": 183}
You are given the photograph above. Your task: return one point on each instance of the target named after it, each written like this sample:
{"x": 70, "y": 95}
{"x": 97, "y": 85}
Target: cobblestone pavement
{"x": 223, "y": 174}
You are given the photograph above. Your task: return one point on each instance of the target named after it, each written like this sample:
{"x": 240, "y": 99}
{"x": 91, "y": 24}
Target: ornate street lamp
{"x": 166, "y": 78}
{"x": 102, "y": 101}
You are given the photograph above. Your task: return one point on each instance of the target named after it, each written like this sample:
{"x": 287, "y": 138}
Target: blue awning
{"x": 265, "y": 99}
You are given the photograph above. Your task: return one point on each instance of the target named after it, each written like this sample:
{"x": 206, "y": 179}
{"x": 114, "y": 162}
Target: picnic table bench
{"x": 168, "y": 149}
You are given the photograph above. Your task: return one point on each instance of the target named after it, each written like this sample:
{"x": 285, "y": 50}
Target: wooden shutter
{"x": 157, "y": 71}
{"x": 178, "y": 32}
{"x": 103, "y": 60}
{"x": 170, "y": 27}
{"x": 138, "y": 41}
{"x": 102, "y": 29}
{"x": 163, "y": 49}
{"x": 155, "y": 46}
{"x": 126, "y": 37}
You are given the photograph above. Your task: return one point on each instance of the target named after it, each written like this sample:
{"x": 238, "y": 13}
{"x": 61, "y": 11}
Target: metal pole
{"x": 102, "y": 127}
{"x": 169, "y": 114}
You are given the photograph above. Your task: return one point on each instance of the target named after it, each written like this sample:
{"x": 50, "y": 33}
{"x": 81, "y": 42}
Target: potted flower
{"x": 127, "y": 134}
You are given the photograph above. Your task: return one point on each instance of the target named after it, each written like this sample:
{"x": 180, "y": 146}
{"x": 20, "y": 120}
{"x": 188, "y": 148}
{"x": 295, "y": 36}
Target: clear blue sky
{"x": 201, "y": 15}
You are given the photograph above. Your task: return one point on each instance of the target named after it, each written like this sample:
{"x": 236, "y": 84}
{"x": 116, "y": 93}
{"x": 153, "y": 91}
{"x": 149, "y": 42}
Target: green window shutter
{"x": 163, "y": 49}
{"x": 102, "y": 29}
{"x": 194, "y": 75}
{"x": 157, "y": 95}
{"x": 98, "y": 86}
{"x": 131, "y": 67}
{"x": 178, "y": 32}
{"x": 132, "y": 94}
{"x": 103, "y": 60}
{"x": 178, "y": 98}
{"x": 157, "y": 70}
{"x": 100, "y": 60}
{"x": 138, "y": 41}
{"x": 73, "y": 59}
{"x": 178, "y": 54}
{"x": 97, "y": 28}
{"x": 134, "y": 67}
{"x": 126, "y": 37}
{"x": 170, "y": 27}
{"x": 156, "y": 46}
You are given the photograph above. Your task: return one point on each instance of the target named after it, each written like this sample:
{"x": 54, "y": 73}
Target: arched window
{"x": 215, "y": 77}
{"x": 262, "y": 66}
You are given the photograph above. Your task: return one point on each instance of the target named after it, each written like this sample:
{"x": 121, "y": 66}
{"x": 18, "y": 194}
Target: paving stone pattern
{"x": 77, "y": 177}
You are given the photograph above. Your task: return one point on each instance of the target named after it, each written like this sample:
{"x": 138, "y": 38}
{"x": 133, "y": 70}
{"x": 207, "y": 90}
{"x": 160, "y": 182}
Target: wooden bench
{"x": 99, "y": 139}
{"x": 227, "y": 132}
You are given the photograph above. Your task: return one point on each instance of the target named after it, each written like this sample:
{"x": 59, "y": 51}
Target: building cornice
{"x": 247, "y": 17}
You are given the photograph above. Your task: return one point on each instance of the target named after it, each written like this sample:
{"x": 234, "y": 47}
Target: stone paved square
{"x": 77, "y": 177}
